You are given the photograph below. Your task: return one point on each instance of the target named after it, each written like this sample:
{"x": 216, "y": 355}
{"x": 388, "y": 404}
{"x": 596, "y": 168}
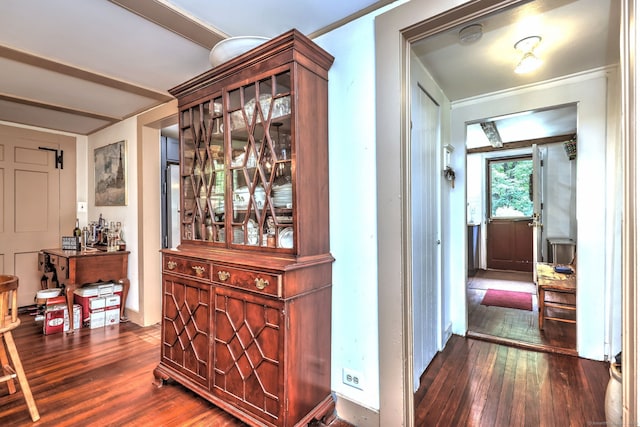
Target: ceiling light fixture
{"x": 529, "y": 61}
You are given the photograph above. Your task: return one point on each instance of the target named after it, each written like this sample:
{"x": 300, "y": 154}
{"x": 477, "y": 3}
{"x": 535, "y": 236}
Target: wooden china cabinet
{"x": 246, "y": 307}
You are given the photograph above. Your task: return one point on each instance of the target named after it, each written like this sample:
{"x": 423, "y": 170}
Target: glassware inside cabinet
{"x": 261, "y": 162}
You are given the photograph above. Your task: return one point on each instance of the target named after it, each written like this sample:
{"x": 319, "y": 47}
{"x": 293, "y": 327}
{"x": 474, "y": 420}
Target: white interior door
{"x": 29, "y": 206}
{"x": 425, "y": 229}
{"x": 33, "y": 211}
{"x": 537, "y": 193}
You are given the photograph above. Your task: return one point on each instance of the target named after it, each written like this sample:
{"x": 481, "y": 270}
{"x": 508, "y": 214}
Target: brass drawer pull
{"x": 223, "y": 275}
{"x": 199, "y": 270}
{"x": 171, "y": 265}
{"x": 261, "y": 283}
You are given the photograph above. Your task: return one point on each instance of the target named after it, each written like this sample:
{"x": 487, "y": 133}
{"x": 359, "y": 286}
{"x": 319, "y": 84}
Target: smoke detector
{"x": 470, "y": 34}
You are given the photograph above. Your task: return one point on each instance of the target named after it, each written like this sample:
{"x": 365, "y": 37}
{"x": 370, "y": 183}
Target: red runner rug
{"x": 508, "y": 299}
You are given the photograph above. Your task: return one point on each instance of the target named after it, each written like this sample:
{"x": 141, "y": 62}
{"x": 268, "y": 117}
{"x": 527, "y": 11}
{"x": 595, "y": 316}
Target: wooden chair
{"x": 9, "y": 321}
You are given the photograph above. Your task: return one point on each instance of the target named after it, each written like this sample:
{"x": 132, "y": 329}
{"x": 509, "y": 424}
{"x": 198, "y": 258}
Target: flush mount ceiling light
{"x": 529, "y": 61}
{"x": 470, "y": 34}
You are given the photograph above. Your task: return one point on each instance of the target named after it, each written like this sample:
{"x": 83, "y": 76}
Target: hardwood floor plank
{"x": 532, "y": 389}
{"x": 474, "y": 379}
{"x": 495, "y": 385}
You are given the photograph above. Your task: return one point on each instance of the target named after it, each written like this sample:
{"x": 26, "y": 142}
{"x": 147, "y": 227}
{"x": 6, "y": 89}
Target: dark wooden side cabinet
{"x": 246, "y": 315}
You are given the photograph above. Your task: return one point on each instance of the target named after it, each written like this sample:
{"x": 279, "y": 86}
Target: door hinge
{"x": 541, "y": 163}
{"x": 58, "y": 156}
{"x": 541, "y": 206}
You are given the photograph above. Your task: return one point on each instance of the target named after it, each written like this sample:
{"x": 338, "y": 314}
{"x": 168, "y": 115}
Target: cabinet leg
{"x": 125, "y": 292}
{"x": 160, "y": 378}
{"x": 68, "y": 291}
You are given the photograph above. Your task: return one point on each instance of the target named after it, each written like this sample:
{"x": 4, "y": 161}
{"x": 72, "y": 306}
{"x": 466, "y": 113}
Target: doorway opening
{"x": 170, "y": 184}
{"x": 524, "y": 200}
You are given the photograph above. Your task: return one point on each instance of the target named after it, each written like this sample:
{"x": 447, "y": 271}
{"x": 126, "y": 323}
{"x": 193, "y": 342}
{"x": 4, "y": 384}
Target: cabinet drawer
{"x": 191, "y": 267}
{"x": 256, "y": 281}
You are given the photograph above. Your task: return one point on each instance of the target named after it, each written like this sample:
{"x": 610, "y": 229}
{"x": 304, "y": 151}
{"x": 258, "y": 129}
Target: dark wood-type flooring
{"x": 102, "y": 377}
{"x": 512, "y": 326}
{"x": 479, "y": 383}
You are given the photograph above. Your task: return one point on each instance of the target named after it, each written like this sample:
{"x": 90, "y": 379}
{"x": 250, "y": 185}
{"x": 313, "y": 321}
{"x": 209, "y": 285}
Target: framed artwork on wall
{"x": 110, "y": 165}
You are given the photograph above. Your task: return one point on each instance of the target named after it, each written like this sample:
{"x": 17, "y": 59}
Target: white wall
{"x": 589, "y": 90}
{"x": 128, "y": 215}
{"x": 352, "y": 189}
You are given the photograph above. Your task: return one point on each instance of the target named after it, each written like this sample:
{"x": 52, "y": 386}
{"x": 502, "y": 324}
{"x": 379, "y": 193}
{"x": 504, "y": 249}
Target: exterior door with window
{"x": 510, "y": 204}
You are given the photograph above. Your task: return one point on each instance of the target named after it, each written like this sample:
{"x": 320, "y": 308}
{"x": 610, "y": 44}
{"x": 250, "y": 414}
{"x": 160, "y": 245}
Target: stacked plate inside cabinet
{"x": 282, "y": 195}
{"x": 241, "y": 197}
{"x": 252, "y": 232}
{"x": 285, "y": 238}
{"x": 238, "y": 235}
{"x": 217, "y": 202}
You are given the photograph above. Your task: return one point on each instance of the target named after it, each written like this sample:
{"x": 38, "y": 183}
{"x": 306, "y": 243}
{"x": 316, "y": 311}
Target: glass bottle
{"x": 121, "y": 244}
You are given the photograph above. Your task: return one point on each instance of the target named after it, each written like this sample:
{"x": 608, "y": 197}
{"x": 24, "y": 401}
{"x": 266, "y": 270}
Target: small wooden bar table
{"x": 550, "y": 280}
{"x": 75, "y": 269}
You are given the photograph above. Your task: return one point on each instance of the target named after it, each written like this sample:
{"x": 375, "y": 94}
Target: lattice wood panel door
{"x": 186, "y": 323}
{"x": 248, "y": 363}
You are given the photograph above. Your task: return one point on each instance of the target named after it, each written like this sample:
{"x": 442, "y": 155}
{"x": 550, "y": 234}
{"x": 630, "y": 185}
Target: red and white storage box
{"x": 96, "y": 319}
{"x": 112, "y": 309}
{"x": 99, "y": 303}
{"x": 56, "y": 318}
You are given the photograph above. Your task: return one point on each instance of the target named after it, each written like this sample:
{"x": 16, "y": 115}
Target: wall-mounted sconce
{"x": 529, "y": 61}
{"x": 449, "y": 173}
{"x": 446, "y": 156}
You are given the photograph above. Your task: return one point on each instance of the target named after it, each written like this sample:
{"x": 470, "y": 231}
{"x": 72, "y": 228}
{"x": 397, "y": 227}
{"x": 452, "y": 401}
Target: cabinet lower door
{"x": 185, "y": 328}
{"x": 248, "y": 369}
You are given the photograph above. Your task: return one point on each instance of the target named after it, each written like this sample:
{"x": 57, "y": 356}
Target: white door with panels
{"x": 31, "y": 215}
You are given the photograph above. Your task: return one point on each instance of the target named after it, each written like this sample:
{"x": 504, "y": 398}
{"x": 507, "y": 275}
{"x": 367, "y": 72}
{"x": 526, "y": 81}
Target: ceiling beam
{"x": 79, "y": 73}
{"x": 524, "y": 143}
{"x": 175, "y": 20}
{"x": 59, "y": 108}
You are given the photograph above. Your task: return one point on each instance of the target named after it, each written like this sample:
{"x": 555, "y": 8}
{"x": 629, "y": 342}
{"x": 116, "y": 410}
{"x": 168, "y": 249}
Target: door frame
{"x": 394, "y": 31}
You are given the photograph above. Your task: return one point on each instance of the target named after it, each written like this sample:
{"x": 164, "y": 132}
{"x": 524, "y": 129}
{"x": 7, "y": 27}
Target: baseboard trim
{"x": 356, "y": 414}
{"x": 134, "y": 316}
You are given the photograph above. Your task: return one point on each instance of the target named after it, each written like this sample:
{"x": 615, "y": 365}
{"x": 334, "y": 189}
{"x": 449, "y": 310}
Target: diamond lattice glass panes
{"x": 260, "y": 167}
{"x": 203, "y": 172}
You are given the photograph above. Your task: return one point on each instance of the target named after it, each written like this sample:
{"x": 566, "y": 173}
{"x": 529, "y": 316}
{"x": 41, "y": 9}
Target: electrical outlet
{"x": 352, "y": 378}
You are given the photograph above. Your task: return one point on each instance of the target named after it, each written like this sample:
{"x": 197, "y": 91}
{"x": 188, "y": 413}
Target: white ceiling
{"x": 577, "y": 36}
{"x": 79, "y": 66}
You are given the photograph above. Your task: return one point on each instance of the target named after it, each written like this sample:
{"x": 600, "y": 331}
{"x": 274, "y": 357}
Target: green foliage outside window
{"x": 510, "y": 188}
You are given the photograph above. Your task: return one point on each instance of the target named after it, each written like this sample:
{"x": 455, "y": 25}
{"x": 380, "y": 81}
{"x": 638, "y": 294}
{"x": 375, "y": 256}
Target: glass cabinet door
{"x": 203, "y": 172}
{"x": 260, "y": 127}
